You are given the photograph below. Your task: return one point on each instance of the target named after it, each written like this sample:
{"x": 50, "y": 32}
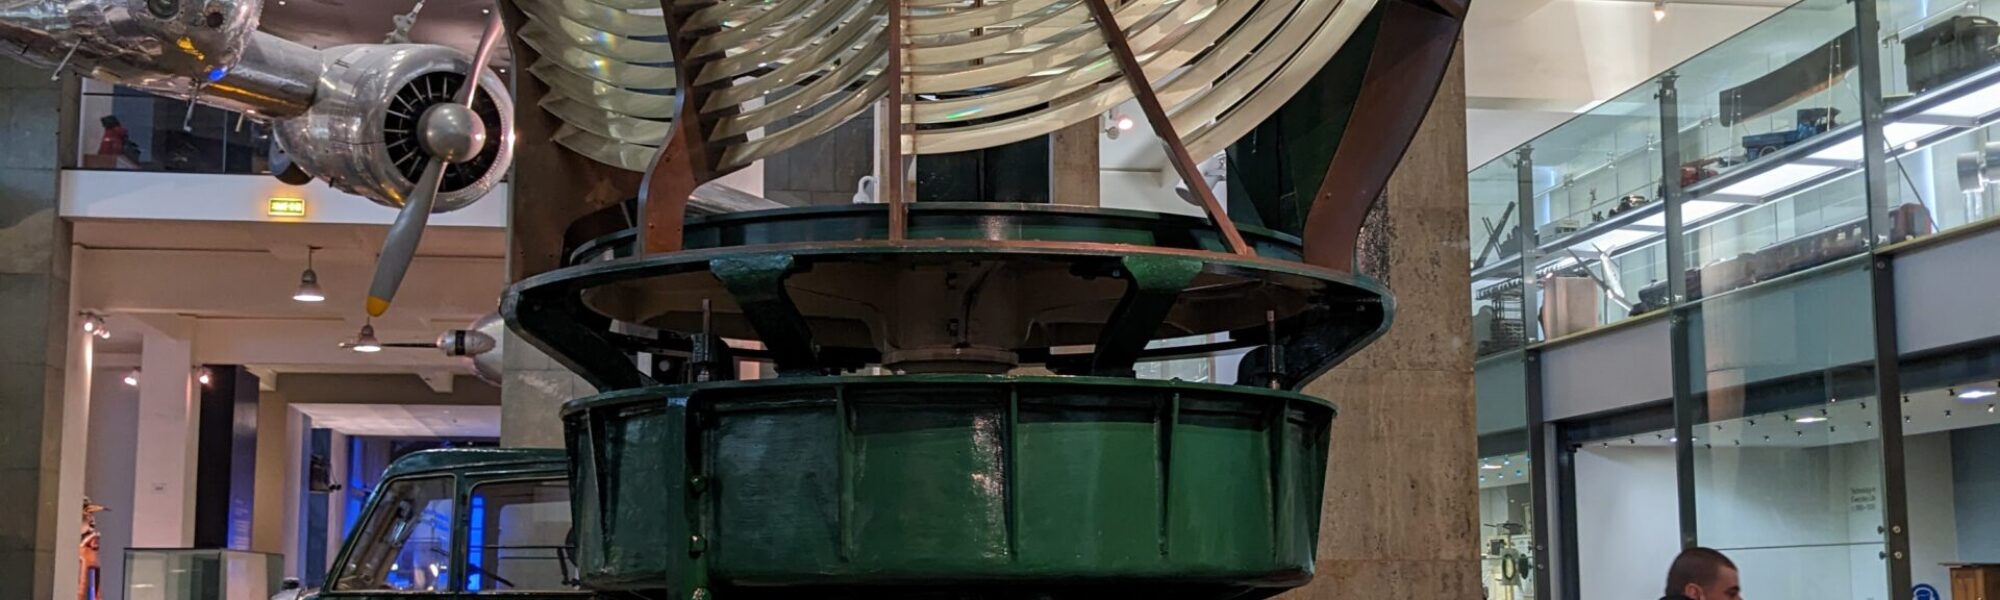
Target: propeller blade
{"x": 400, "y": 247}
{"x": 491, "y": 37}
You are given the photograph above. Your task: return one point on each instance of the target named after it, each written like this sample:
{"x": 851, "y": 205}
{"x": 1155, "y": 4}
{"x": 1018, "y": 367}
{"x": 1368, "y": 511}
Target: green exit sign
{"x": 286, "y": 207}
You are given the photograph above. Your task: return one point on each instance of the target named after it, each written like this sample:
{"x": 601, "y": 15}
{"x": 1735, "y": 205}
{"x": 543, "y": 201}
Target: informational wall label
{"x": 1862, "y": 499}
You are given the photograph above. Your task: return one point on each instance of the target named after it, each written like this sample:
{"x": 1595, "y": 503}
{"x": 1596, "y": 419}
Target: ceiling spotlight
{"x": 1976, "y": 394}
{"x": 486, "y": 11}
{"x": 132, "y": 378}
{"x": 1659, "y": 10}
{"x": 1116, "y": 123}
{"x": 92, "y": 323}
{"x": 309, "y": 281}
{"x": 366, "y": 342}
{"x": 201, "y": 375}
{"x": 1809, "y": 419}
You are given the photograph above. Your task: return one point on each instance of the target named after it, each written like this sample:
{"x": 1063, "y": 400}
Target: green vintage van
{"x": 461, "y": 524}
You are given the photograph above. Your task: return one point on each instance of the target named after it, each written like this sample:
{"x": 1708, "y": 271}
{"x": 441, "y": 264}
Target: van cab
{"x": 462, "y": 524}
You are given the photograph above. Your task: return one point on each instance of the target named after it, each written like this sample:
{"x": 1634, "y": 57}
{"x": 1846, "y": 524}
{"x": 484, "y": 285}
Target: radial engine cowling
{"x": 360, "y": 136}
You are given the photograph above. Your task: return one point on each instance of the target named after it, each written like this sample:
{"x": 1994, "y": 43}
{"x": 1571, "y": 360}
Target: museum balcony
{"x": 1743, "y": 305}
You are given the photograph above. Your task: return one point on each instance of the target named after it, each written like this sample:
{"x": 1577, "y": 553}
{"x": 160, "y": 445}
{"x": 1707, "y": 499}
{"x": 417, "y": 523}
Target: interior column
{"x": 163, "y": 496}
{"x": 1401, "y": 509}
{"x": 35, "y": 315}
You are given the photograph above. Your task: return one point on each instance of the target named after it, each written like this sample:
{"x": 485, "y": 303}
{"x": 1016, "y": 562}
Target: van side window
{"x": 405, "y": 543}
{"x": 517, "y": 537}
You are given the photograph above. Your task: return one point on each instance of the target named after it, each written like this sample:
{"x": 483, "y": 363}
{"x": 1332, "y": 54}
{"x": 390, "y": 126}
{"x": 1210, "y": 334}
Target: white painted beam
{"x": 243, "y": 198}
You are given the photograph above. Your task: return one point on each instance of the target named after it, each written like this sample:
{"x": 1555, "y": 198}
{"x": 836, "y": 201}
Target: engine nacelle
{"x": 360, "y": 134}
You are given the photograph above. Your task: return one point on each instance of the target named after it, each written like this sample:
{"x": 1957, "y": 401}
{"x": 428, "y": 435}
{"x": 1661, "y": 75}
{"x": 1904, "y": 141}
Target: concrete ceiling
{"x": 229, "y": 284}
{"x": 405, "y": 420}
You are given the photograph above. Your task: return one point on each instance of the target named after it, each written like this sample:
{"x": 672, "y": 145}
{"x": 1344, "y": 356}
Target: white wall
{"x": 1530, "y": 64}
{"x": 1799, "y": 522}
{"x": 1628, "y": 527}
{"x": 1144, "y": 190}
{"x": 1934, "y": 533}
{"x": 108, "y": 470}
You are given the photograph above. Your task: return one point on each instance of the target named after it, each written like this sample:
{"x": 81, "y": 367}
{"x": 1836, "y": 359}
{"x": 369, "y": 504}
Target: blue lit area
{"x": 475, "y": 544}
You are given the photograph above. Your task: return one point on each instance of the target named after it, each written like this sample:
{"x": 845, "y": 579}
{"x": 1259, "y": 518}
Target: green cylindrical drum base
{"x": 945, "y": 486}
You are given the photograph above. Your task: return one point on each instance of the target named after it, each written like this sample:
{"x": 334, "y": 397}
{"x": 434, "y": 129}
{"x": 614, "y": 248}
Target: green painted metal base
{"x": 948, "y": 486}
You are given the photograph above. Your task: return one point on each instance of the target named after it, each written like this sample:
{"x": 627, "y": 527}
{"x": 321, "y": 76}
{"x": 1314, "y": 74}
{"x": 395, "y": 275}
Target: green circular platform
{"x": 949, "y": 486}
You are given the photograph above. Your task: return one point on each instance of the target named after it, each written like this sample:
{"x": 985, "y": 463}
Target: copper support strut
{"x": 895, "y": 174}
{"x": 1177, "y": 153}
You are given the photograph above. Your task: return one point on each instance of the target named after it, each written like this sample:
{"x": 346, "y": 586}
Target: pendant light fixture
{"x": 1659, "y": 10}
{"x": 309, "y": 281}
{"x": 132, "y": 379}
{"x": 366, "y": 342}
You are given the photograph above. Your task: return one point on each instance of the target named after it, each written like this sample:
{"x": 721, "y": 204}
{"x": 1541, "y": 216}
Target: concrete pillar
{"x": 1073, "y": 163}
{"x": 1400, "y": 516}
{"x": 277, "y": 460}
{"x": 41, "y": 518}
{"x": 532, "y": 390}
{"x": 163, "y": 495}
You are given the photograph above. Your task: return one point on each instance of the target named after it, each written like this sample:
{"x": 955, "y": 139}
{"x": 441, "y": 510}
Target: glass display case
{"x": 1494, "y": 218}
{"x": 200, "y": 574}
{"x": 1588, "y": 184}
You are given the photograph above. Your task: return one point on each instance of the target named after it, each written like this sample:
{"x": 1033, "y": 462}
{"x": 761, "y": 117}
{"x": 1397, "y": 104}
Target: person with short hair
{"x": 1702, "y": 574}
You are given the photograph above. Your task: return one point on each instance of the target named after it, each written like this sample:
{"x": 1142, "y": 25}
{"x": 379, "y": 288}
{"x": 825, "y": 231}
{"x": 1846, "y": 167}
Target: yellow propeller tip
{"x": 377, "y": 306}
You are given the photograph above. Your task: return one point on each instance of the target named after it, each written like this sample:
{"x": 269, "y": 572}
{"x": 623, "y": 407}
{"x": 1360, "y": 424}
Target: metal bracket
{"x": 758, "y": 284}
{"x": 1154, "y": 285}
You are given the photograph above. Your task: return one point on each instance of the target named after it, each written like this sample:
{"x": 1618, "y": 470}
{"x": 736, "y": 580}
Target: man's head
{"x": 1703, "y": 574}
{"x": 108, "y": 121}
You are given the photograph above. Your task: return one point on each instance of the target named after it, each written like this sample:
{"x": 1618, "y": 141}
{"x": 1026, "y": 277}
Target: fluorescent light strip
{"x": 1902, "y": 133}
{"x": 1774, "y": 180}
{"x": 1973, "y": 105}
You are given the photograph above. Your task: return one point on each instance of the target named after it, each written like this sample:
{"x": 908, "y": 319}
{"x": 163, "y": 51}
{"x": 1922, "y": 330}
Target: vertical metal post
{"x": 1565, "y": 487}
{"x": 1679, "y": 317}
{"x": 1538, "y": 468}
{"x": 897, "y": 173}
{"x": 1524, "y": 194}
{"x": 1882, "y": 296}
{"x": 1670, "y": 187}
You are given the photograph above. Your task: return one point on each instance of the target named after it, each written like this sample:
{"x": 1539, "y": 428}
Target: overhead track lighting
{"x": 309, "y": 281}
{"x": 93, "y": 325}
{"x": 201, "y": 375}
{"x": 132, "y": 379}
{"x": 1659, "y": 10}
{"x": 366, "y": 342}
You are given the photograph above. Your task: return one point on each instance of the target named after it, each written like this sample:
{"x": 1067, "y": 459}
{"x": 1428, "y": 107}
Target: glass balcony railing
{"x": 128, "y": 129}
{"x": 1765, "y": 131}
